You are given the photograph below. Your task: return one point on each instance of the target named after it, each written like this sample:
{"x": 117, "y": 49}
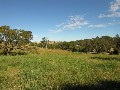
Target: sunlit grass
{"x": 48, "y": 69}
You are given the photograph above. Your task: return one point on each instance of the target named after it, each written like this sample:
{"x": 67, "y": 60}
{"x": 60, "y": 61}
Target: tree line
{"x": 12, "y": 39}
{"x": 15, "y": 39}
{"x": 95, "y": 45}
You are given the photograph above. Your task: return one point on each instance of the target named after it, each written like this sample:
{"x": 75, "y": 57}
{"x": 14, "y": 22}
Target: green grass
{"x": 49, "y": 69}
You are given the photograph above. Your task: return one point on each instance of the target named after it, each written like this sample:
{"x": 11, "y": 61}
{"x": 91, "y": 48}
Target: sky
{"x": 62, "y": 20}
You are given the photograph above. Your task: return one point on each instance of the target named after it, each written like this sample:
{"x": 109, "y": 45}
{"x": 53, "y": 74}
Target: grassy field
{"x": 59, "y": 70}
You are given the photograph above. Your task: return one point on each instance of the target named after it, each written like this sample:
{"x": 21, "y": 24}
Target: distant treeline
{"x": 95, "y": 45}
{"x": 14, "y": 40}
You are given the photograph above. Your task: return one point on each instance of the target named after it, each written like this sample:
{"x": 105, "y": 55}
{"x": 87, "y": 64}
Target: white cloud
{"x": 114, "y": 23}
{"x": 59, "y": 25}
{"x": 97, "y": 25}
{"x": 102, "y": 25}
{"x": 114, "y": 10}
{"x": 115, "y": 6}
{"x": 55, "y": 31}
{"x": 75, "y": 22}
{"x": 113, "y": 14}
{"x": 110, "y": 23}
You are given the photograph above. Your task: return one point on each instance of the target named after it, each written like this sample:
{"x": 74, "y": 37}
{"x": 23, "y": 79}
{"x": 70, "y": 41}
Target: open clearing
{"x": 59, "y": 70}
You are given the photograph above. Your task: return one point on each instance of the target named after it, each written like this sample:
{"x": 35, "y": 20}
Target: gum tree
{"x": 13, "y": 37}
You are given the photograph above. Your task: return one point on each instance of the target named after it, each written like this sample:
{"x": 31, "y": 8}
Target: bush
{"x": 18, "y": 52}
{"x": 1, "y": 51}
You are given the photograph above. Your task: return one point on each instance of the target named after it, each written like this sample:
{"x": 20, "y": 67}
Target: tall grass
{"x": 49, "y": 69}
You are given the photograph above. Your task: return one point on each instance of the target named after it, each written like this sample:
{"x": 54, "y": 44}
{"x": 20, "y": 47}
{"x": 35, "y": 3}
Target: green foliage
{"x": 94, "y": 45}
{"x": 11, "y": 38}
{"x": 117, "y": 41}
{"x": 18, "y": 52}
{"x": 1, "y": 51}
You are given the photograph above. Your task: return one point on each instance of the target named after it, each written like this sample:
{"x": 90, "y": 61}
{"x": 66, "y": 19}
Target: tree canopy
{"x": 9, "y": 38}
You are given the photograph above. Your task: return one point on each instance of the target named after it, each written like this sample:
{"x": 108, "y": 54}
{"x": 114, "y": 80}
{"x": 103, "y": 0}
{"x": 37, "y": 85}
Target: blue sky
{"x": 62, "y": 20}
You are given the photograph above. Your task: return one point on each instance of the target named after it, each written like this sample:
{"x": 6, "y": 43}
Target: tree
{"x": 13, "y": 37}
{"x": 45, "y": 42}
{"x": 117, "y": 43}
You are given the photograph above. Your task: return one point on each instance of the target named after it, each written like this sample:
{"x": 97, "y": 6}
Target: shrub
{"x": 18, "y": 52}
{"x": 1, "y": 51}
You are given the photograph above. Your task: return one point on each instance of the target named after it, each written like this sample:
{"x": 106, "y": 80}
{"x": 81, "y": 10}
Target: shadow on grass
{"x": 103, "y": 85}
{"x": 106, "y": 58}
